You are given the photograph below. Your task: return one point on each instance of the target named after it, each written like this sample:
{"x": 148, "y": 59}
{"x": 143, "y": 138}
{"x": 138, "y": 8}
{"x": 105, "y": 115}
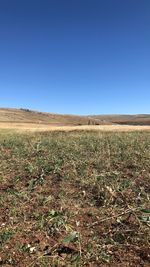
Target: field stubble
{"x": 74, "y": 198}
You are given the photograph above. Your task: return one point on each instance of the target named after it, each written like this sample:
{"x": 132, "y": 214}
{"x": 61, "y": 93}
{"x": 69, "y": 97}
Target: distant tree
{"x": 25, "y": 109}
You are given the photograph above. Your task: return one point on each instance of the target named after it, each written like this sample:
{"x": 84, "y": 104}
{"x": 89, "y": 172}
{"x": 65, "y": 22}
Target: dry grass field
{"x": 11, "y": 116}
{"x": 46, "y": 127}
{"x": 28, "y": 120}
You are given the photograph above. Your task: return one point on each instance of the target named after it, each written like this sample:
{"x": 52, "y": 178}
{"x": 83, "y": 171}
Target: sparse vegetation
{"x": 74, "y": 199}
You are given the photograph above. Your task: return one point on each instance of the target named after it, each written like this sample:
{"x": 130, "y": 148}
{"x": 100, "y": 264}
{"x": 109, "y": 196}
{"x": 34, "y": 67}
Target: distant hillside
{"x": 11, "y": 115}
{"x": 141, "y": 119}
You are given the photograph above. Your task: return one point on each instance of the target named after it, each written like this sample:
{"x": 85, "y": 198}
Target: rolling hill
{"x": 141, "y": 119}
{"x": 12, "y": 115}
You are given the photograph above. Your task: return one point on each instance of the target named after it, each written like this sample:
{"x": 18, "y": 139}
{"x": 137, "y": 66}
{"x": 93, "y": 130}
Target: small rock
{"x": 32, "y": 249}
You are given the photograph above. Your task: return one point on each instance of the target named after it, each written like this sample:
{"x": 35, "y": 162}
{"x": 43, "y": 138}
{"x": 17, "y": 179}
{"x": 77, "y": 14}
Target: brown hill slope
{"x": 141, "y": 119}
{"x": 12, "y": 115}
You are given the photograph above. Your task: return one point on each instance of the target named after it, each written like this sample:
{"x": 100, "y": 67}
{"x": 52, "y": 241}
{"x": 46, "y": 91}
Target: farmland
{"x": 74, "y": 198}
{"x": 35, "y": 127}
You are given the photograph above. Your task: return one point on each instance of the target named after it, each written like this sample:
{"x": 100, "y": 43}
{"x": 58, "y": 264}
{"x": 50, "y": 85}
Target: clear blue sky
{"x": 75, "y": 56}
